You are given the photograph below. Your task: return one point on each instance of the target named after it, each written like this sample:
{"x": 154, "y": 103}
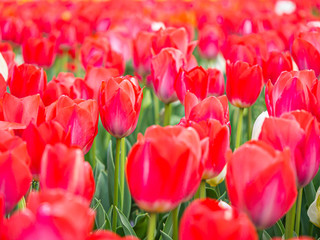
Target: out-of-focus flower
{"x": 216, "y": 82}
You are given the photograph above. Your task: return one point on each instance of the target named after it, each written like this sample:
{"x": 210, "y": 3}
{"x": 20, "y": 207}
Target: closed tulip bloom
{"x": 52, "y": 214}
{"x": 277, "y": 63}
{"x": 215, "y": 82}
{"x": 108, "y": 235}
{"x": 159, "y": 180}
{"x": 25, "y": 110}
{"x": 241, "y": 52}
{"x": 194, "y": 80}
{"x": 78, "y": 117}
{"x": 119, "y": 105}
{"x": 64, "y": 167}
{"x": 40, "y": 51}
{"x": 299, "y": 131}
{"x": 208, "y": 219}
{"x": 244, "y": 83}
{"x": 15, "y": 175}
{"x": 292, "y": 91}
{"x": 37, "y": 137}
{"x": 164, "y": 70}
{"x": 261, "y": 182}
{"x": 27, "y": 80}
{"x": 306, "y": 51}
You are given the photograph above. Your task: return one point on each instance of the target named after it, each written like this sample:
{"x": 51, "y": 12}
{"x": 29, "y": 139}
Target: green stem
{"x": 116, "y": 186}
{"x": 202, "y": 189}
{"x": 290, "y": 222}
{"x": 156, "y": 109}
{"x": 249, "y": 122}
{"x": 239, "y": 127}
{"x": 175, "y": 224}
{"x": 298, "y": 216}
{"x": 22, "y": 203}
{"x": 93, "y": 154}
{"x": 122, "y": 170}
{"x": 152, "y": 225}
{"x": 260, "y": 234}
{"x": 167, "y": 114}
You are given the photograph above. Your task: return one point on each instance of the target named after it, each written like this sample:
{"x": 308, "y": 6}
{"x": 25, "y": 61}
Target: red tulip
{"x": 142, "y": 53}
{"x": 27, "y": 80}
{"x": 299, "y": 131}
{"x": 3, "y": 86}
{"x": 15, "y": 175}
{"x": 176, "y": 171}
{"x": 79, "y": 117}
{"x": 215, "y": 144}
{"x": 292, "y": 91}
{"x": 96, "y": 75}
{"x": 25, "y": 110}
{"x": 39, "y": 51}
{"x": 209, "y": 108}
{"x": 277, "y": 63}
{"x": 306, "y": 51}
{"x": 164, "y": 70}
{"x": 195, "y": 81}
{"x": 53, "y": 215}
{"x": 244, "y": 83}
{"x": 119, "y": 105}
{"x": 216, "y": 82}
{"x": 261, "y": 182}
{"x": 208, "y": 219}
{"x": 37, "y": 137}
{"x": 66, "y": 84}
{"x": 107, "y": 235}
{"x": 211, "y": 38}
{"x": 63, "y": 167}
{"x": 241, "y": 52}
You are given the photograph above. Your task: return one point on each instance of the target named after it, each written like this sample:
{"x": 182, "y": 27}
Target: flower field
{"x": 160, "y": 120}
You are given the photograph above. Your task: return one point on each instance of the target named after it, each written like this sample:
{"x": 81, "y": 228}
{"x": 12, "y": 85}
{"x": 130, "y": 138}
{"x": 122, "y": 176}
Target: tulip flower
{"x": 241, "y": 52}
{"x": 15, "y": 175}
{"x": 177, "y": 173}
{"x": 244, "y": 83}
{"x": 299, "y": 131}
{"x": 216, "y": 82}
{"x": 306, "y": 51}
{"x": 107, "y": 235}
{"x": 314, "y": 210}
{"x": 3, "y": 86}
{"x": 277, "y": 63}
{"x": 261, "y": 182}
{"x": 119, "y": 105}
{"x": 63, "y": 167}
{"x": 37, "y": 137}
{"x": 52, "y": 214}
{"x": 26, "y": 110}
{"x": 292, "y": 91}
{"x": 164, "y": 70}
{"x": 27, "y": 80}
{"x": 78, "y": 117}
{"x": 194, "y": 81}
{"x": 9, "y": 58}
{"x": 208, "y": 219}
{"x": 39, "y": 51}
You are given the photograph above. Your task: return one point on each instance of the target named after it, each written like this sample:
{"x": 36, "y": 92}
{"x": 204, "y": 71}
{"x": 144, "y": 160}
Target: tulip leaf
{"x": 141, "y": 225}
{"x": 165, "y": 236}
{"x": 265, "y": 235}
{"x": 128, "y": 230}
{"x": 102, "y": 191}
{"x": 168, "y": 226}
{"x": 102, "y": 220}
{"x": 126, "y": 200}
{"x": 98, "y": 169}
{"x": 211, "y": 193}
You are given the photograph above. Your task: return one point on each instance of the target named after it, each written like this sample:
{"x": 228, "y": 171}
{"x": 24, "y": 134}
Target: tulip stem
{"x": 167, "y": 114}
{"x": 239, "y": 127}
{"x": 93, "y": 154}
{"x": 152, "y": 225}
{"x": 156, "y": 109}
{"x": 249, "y": 122}
{"x": 202, "y": 189}
{"x": 290, "y": 222}
{"x": 123, "y": 161}
{"x": 116, "y": 186}
{"x": 298, "y": 216}
{"x": 175, "y": 224}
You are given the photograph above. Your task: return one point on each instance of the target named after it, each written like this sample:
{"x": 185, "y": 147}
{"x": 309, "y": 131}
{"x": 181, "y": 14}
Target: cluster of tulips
{"x": 146, "y": 120}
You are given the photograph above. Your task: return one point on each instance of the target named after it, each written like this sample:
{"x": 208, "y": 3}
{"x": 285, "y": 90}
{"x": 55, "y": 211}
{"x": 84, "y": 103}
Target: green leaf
{"x": 165, "y": 236}
{"x": 265, "y": 235}
{"x": 102, "y": 220}
{"x": 168, "y": 226}
{"x": 211, "y": 193}
{"x": 128, "y": 230}
{"x": 98, "y": 169}
{"x": 102, "y": 191}
{"x": 141, "y": 225}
